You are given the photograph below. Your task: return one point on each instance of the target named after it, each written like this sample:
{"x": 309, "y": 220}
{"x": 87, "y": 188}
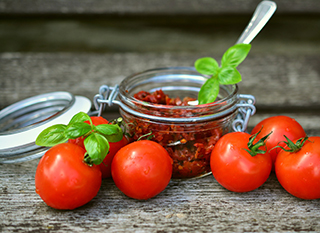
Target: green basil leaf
{"x": 207, "y": 66}
{"x": 229, "y": 75}
{"x": 77, "y": 129}
{"x": 113, "y": 133}
{"x": 52, "y": 136}
{"x": 97, "y": 147}
{"x": 80, "y": 117}
{"x": 235, "y": 55}
{"x": 209, "y": 91}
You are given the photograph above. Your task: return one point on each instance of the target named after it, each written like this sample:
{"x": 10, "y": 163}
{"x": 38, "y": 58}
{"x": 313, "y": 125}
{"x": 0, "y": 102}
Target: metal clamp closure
{"x": 107, "y": 95}
{"x": 246, "y": 110}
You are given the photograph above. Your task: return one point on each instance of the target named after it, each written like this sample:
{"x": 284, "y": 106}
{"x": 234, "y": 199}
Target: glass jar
{"x": 188, "y": 133}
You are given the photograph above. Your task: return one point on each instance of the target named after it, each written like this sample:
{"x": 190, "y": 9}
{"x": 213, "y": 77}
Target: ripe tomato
{"x": 234, "y": 168}
{"x": 142, "y": 169}
{"x": 299, "y": 172}
{"x": 279, "y": 126}
{"x": 63, "y": 180}
{"x": 105, "y": 166}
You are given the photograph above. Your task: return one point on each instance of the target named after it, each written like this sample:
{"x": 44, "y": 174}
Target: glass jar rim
{"x": 124, "y": 92}
{"x": 126, "y": 97}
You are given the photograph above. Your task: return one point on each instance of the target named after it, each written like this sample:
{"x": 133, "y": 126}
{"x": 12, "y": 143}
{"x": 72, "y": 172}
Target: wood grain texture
{"x": 210, "y": 35}
{"x": 276, "y": 81}
{"x": 200, "y": 205}
{"x": 145, "y": 7}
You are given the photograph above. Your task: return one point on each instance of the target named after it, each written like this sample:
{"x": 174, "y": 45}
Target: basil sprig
{"x": 225, "y": 74}
{"x": 96, "y": 140}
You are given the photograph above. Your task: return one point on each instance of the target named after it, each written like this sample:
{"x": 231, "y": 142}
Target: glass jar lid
{"x": 21, "y": 123}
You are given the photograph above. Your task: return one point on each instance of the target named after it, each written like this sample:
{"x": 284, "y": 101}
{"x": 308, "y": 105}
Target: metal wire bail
{"x": 106, "y": 96}
{"x": 246, "y": 110}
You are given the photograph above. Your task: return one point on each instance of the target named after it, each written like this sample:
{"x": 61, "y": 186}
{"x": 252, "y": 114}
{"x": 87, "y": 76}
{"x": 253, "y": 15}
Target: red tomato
{"x": 142, "y": 169}
{"x": 299, "y": 172}
{"x": 279, "y": 126}
{"x": 234, "y": 168}
{"x": 98, "y": 120}
{"x": 105, "y": 166}
{"x": 63, "y": 180}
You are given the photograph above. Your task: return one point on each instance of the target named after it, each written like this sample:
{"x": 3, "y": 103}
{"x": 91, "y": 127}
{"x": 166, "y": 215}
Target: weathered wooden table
{"x": 200, "y": 205}
{"x": 80, "y": 45}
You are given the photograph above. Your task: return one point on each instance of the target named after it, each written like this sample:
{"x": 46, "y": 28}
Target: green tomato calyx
{"x": 254, "y": 148}
{"x": 291, "y": 146}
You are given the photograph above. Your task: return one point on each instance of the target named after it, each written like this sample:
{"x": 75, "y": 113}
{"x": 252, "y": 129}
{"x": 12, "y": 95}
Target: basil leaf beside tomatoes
{"x": 112, "y": 132}
{"x": 76, "y": 130}
{"x": 80, "y": 117}
{"x": 96, "y": 146}
{"x": 96, "y": 140}
{"x": 52, "y": 135}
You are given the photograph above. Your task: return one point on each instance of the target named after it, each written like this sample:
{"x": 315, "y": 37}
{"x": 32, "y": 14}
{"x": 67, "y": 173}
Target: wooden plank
{"x": 210, "y": 35}
{"x": 200, "y": 205}
{"x": 147, "y": 7}
{"x": 277, "y": 81}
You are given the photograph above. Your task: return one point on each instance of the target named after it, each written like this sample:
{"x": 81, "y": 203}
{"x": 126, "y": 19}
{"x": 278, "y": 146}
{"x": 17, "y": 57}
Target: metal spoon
{"x": 260, "y": 17}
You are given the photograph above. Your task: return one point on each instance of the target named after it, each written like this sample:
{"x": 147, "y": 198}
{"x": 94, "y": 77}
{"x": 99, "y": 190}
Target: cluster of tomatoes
{"x": 282, "y": 146}
{"x": 240, "y": 162}
{"x": 64, "y": 180}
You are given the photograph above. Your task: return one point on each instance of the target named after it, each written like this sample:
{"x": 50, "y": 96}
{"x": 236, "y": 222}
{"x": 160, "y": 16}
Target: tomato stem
{"x": 293, "y": 147}
{"x": 254, "y": 147}
{"x": 148, "y": 135}
{"x": 118, "y": 121}
{"x": 88, "y": 160}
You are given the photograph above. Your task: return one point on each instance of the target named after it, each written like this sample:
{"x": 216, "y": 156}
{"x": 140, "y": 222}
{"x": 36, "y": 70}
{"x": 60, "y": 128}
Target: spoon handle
{"x": 260, "y": 17}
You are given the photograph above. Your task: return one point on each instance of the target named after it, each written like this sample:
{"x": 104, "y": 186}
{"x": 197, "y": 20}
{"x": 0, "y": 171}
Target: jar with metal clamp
{"x": 188, "y": 133}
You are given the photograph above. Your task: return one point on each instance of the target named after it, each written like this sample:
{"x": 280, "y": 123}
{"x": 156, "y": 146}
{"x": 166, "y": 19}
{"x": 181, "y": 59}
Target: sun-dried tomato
{"x": 189, "y": 145}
